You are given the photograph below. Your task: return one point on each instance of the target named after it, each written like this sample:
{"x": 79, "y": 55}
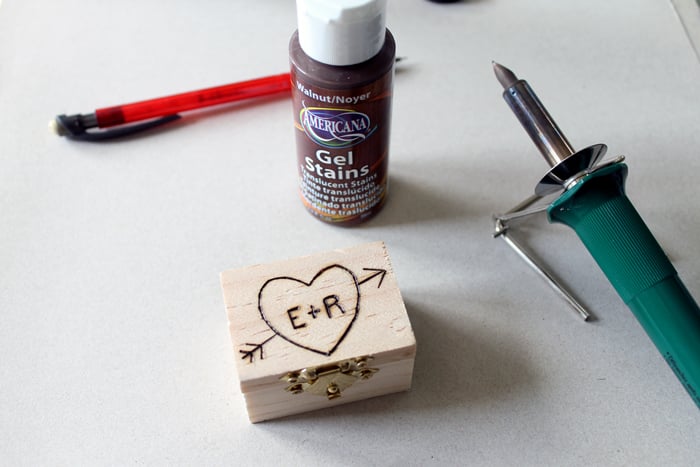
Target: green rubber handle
{"x": 633, "y": 261}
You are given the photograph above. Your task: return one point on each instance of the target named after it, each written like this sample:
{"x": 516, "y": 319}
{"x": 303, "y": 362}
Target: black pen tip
{"x": 504, "y": 76}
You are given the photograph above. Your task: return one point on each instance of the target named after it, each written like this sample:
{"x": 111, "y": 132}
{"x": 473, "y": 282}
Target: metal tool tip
{"x": 506, "y": 77}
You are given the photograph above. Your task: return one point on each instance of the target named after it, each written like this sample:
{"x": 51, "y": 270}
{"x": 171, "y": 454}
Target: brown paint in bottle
{"x": 342, "y": 67}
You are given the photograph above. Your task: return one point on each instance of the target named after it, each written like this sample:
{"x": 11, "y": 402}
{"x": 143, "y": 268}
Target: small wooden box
{"x": 318, "y": 331}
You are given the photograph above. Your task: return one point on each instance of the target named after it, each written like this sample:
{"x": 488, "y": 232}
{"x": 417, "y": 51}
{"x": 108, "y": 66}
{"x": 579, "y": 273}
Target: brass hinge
{"x": 329, "y": 380}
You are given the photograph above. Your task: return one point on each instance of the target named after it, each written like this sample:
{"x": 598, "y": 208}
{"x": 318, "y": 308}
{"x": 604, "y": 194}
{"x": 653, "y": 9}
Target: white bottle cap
{"x": 341, "y": 32}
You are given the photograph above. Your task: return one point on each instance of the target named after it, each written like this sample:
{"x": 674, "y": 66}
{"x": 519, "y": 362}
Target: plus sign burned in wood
{"x": 318, "y": 331}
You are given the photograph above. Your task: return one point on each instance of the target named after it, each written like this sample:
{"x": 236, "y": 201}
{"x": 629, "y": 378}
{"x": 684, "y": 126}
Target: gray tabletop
{"x": 113, "y": 337}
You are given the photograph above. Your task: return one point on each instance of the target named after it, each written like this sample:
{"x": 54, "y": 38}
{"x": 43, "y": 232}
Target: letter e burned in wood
{"x": 318, "y": 331}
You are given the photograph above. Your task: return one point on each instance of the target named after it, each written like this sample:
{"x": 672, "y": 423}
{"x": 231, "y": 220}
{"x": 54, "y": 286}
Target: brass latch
{"x": 329, "y": 380}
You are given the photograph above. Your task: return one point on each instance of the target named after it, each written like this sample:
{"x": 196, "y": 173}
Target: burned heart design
{"x": 315, "y": 315}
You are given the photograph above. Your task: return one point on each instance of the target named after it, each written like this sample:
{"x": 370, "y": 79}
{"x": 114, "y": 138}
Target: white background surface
{"x": 114, "y": 348}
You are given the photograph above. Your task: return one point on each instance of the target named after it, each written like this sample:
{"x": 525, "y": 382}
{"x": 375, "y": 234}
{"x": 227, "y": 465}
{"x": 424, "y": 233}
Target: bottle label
{"x": 342, "y": 141}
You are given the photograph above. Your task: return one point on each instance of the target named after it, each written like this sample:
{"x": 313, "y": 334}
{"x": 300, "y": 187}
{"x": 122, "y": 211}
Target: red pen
{"x": 155, "y": 112}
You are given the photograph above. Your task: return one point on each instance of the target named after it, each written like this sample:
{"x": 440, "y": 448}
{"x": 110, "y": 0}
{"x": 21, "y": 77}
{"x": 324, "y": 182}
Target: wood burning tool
{"x": 591, "y": 199}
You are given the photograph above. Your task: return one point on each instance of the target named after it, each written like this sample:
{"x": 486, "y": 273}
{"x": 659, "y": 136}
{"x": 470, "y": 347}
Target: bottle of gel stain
{"x": 342, "y": 66}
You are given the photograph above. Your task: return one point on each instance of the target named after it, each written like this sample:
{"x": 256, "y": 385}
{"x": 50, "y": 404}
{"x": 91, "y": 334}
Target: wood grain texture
{"x": 317, "y": 310}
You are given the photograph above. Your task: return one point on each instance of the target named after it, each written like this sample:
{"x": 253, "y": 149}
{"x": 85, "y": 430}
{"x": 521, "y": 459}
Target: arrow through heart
{"x": 315, "y": 315}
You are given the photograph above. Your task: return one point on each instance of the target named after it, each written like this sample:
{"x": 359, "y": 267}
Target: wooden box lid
{"x": 318, "y": 331}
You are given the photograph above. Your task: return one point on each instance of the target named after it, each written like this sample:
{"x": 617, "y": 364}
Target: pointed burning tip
{"x": 504, "y": 76}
